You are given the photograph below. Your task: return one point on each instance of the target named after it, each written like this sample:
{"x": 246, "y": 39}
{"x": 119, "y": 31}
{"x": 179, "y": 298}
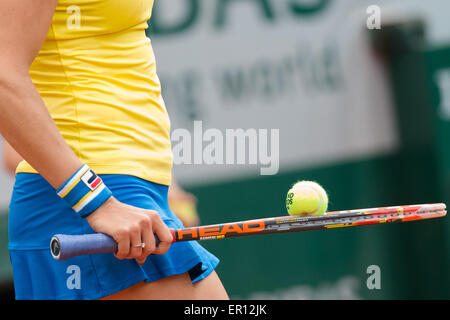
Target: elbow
{"x": 9, "y": 167}
{"x": 10, "y": 159}
{"x": 11, "y": 78}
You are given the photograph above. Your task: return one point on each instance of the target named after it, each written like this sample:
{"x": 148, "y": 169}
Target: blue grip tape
{"x": 64, "y": 246}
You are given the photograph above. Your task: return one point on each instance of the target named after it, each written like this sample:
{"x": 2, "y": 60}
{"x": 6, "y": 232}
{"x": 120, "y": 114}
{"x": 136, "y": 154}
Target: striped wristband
{"x": 84, "y": 191}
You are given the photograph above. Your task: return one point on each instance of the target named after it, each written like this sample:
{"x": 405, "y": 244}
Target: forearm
{"x": 28, "y": 127}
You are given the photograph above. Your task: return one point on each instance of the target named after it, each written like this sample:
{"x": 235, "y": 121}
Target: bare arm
{"x": 23, "y": 27}
{"x": 10, "y": 158}
{"x": 28, "y": 127}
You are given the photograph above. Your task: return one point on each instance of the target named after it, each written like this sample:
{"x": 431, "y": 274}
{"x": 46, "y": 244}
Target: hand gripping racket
{"x": 66, "y": 246}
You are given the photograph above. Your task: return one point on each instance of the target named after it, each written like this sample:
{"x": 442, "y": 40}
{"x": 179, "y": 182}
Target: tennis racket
{"x": 66, "y": 246}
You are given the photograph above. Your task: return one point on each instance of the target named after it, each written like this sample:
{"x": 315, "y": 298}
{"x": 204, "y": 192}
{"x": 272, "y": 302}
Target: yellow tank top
{"x": 97, "y": 76}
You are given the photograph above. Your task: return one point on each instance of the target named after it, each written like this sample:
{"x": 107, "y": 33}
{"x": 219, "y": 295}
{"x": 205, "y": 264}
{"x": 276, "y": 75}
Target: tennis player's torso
{"x": 97, "y": 76}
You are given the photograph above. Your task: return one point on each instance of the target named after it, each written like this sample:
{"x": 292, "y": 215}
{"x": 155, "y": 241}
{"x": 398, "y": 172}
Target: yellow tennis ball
{"x": 306, "y": 198}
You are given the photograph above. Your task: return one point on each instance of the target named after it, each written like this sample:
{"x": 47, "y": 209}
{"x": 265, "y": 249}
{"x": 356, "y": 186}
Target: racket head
{"x": 360, "y": 217}
{"x": 330, "y": 220}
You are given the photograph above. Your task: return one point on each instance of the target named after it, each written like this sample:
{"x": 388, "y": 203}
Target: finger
{"x": 164, "y": 235}
{"x": 162, "y": 248}
{"x": 135, "y": 242}
{"x": 149, "y": 240}
{"x": 123, "y": 246}
{"x": 141, "y": 260}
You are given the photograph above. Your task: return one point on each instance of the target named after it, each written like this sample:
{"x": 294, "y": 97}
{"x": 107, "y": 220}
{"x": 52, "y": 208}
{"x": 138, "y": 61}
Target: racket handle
{"x": 63, "y": 246}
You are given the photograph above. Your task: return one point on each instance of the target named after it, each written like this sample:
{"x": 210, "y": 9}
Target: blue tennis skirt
{"x": 37, "y": 213}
